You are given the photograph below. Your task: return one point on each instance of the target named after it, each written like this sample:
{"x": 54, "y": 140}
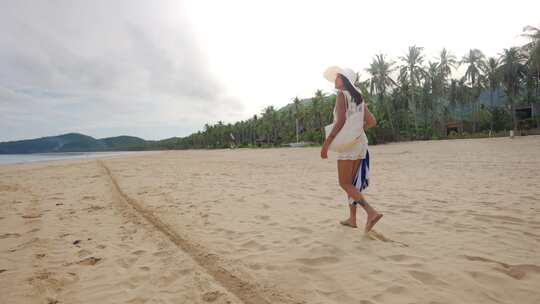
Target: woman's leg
{"x": 347, "y": 170}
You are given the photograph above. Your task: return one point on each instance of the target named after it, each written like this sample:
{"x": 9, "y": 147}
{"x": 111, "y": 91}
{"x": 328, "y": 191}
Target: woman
{"x": 349, "y": 100}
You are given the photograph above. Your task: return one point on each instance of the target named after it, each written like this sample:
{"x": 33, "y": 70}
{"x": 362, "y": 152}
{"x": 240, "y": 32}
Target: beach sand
{"x": 461, "y": 225}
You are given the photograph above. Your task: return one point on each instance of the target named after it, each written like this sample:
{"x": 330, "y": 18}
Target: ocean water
{"x": 42, "y": 157}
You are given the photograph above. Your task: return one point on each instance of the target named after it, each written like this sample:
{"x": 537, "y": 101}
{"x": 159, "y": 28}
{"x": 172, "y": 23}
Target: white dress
{"x": 359, "y": 150}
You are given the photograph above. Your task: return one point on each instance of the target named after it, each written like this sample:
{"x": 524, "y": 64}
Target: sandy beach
{"x": 461, "y": 225}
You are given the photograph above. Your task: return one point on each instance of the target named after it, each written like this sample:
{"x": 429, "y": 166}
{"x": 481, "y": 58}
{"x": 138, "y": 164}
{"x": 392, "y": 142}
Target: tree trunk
{"x": 389, "y": 117}
{"x": 514, "y": 116}
{"x": 491, "y": 106}
{"x": 473, "y": 109}
{"x": 297, "y": 138}
{"x": 414, "y": 113}
{"x": 462, "y": 118}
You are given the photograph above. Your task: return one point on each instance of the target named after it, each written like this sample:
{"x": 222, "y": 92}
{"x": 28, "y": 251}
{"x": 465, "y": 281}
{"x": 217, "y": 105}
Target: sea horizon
{"x": 23, "y": 158}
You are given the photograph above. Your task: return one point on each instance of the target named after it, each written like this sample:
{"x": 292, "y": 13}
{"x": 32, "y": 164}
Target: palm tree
{"x": 447, "y": 62}
{"x": 532, "y": 48}
{"x": 270, "y": 124}
{"x": 475, "y": 61}
{"x": 513, "y": 72}
{"x": 493, "y": 77}
{"x": 453, "y": 93}
{"x": 462, "y": 97}
{"x": 220, "y": 134}
{"x": 412, "y": 71}
{"x": 433, "y": 74}
{"x": 317, "y": 103}
{"x": 254, "y": 128}
{"x": 297, "y": 116}
{"x": 433, "y": 92}
{"x": 380, "y": 71}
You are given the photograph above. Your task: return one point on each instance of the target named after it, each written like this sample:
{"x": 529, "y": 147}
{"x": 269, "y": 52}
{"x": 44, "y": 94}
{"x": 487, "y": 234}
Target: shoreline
{"x": 73, "y": 159}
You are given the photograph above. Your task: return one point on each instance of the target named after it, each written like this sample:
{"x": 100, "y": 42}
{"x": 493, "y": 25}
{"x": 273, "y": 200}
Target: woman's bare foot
{"x": 372, "y": 220}
{"x": 348, "y": 223}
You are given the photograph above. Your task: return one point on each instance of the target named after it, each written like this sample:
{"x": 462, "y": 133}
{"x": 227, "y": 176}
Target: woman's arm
{"x": 369, "y": 119}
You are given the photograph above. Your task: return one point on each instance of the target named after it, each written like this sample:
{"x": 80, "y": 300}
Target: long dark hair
{"x": 357, "y": 97}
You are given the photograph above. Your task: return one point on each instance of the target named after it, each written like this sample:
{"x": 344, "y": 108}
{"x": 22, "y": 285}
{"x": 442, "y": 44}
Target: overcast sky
{"x": 158, "y": 69}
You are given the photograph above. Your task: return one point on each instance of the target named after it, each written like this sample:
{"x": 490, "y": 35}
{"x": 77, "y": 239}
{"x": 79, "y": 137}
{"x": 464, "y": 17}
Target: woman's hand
{"x": 369, "y": 119}
{"x": 324, "y": 151}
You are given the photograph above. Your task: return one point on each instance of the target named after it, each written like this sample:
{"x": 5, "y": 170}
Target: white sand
{"x": 461, "y": 225}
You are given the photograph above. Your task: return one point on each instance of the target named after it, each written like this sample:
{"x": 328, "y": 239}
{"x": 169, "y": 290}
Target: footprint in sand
{"x": 168, "y": 278}
{"x": 262, "y": 217}
{"x": 518, "y": 271}
{"x": 302, "y": 229}
{"x": 253, "y": 245}
{"x": 144, "y": 268}
{"x": 9, "y": 188}
{"x": 255, "y": 266}
{"x": 426, "y": 278}
{"x": 211, "y": 296}
{"x": 90, "y": 261}
{"x": 94, "y": 208}
{"x": 308, "y": 270}
{"x": 377, "y": 236}
{"x": 318, "y": 261}
{"x": 400, "y": 257}
{"x": 9, "y": 235}
{"x": 296, "y": 240}
{"x": 271, "y": 268}
{"x": 83, "y": 253}
{"x": 126, "y": 262}
{"x": 396, "y": 289}
{"x": 328, "y": 198}
{"x": 162, "y": 253}
{"x": 185, "y": 271}
{"x": 138, "y": 252}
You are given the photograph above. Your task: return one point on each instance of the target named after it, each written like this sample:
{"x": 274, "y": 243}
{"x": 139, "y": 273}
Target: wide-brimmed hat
{"x": 331, "y": 73}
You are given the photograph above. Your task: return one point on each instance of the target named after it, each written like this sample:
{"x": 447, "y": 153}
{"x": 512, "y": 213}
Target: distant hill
{"x": 304, "y": 103}
{"x": 72, "y": 142}
{"x": 119, "y": 142}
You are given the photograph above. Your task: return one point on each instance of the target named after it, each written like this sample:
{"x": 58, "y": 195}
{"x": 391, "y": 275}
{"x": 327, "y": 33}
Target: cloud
{"x": 102, "y": 67}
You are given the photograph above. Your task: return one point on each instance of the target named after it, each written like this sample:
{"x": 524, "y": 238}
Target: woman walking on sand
{"x": 353, "y": 164}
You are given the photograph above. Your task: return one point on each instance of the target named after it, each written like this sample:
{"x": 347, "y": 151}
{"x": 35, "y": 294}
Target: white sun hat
{"x": 331, "y": 73}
